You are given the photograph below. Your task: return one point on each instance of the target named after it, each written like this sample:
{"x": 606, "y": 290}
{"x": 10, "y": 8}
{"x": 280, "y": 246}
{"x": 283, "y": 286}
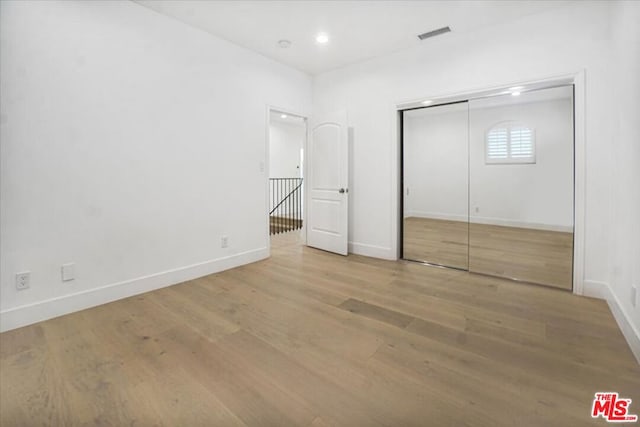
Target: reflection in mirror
{"x": 521, "y": 186}
{"x": 435, "y": 178}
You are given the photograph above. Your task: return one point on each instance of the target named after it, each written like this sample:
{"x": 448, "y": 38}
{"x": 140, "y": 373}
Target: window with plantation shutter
{"x": 510, "y": 142}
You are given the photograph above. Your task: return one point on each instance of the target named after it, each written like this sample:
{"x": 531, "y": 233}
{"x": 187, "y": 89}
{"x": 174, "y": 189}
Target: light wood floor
{"x": 308, "y": 338}
{"x": 436, "y": 241}
{"x": 535, "y": 256}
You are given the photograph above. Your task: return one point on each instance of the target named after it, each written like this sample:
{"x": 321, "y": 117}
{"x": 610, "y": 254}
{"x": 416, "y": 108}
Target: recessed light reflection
{"x": 322, "y": 38}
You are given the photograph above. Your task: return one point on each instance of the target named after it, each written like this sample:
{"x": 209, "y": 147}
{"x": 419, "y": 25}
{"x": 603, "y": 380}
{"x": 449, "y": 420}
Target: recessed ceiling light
{"x": 516, "y": 88}
{"x": 427, "y": 102}
{"x": 283, "y": 116}
{"x": 284, "y": 44}
{"x": 322, "y": 38}
{"x": 515, "y": 93}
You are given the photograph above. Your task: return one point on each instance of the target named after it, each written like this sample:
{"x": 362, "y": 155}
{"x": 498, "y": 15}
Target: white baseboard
{"x": 371, "y": 251}
{"x": 490, "y": 221}
{"x": 594, "y": 289}
{"x": 603, "y": 291}
{"x": 42, "y": 310}
{"x": 436, "y": 215}
{"x": 521, "y": 224}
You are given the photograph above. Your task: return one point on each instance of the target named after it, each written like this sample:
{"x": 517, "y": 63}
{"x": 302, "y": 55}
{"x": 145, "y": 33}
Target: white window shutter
{"x": 498, "y": 144}
{"x": 521, "y": 143}
{"x": 510, "y": 142}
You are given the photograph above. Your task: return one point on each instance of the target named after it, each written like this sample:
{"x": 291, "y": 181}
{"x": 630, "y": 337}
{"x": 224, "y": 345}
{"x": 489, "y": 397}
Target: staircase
{"x": 279, "y": 224}
{"x": 285, "y": 213}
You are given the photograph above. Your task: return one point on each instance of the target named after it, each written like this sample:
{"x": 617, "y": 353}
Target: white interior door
{"x": 327, "y": 176}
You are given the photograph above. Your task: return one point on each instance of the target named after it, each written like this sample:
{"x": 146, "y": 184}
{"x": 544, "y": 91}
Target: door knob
{"x": 341, "y": 191}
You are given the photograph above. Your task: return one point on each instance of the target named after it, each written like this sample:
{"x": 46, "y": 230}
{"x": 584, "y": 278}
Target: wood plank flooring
{"x": 536, "y": 256}
{"x": 308, "y": 338}
{"x": 529, "y": 255}
{"x": 436, "y": 241}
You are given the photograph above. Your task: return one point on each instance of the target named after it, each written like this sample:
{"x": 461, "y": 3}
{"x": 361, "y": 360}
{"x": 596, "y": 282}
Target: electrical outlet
{"x": 68, "y": 272}
{"x": 23, "y": 280}
{"x": 224, "y": 242}
{"x": 634, "y": 295}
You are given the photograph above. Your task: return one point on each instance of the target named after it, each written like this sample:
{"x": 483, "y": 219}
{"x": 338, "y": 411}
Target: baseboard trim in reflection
{"x": 490, "y": 221}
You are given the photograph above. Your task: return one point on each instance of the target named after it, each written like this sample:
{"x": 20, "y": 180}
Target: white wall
{"x": 600, "y": 38}
{"x": 285, "y": 142}
{"x": 121, "y": 130}
{"x": 565, "y": 40}
{"x": 624, "y": 184}
{"x": 538, "y": 195}
{"x": 446, "y": 175}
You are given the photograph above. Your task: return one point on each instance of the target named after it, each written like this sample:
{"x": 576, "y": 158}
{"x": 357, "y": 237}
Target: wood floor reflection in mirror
{"x": 530, "y": 255}
{"x": 436, "y": 241}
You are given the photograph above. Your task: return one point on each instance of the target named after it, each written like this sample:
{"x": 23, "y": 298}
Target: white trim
{"x": 578, "y": 80}
{"x": 395, "y": 181}
{"x": 42, "y": 310}
{"x": 490, "y": 221}
{"x": 436, "y": 215}
{"x": 579, "y": 188}
{"x": 603, "y": 291}
{"x": 595, "y": 289}
{"x": 521, "y": 224}
{"x": 372, "y": 251}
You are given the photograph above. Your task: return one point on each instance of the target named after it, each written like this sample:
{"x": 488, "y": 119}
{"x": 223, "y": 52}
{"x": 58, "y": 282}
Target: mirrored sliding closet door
{"x": 521, "y": 186}
{"x": 436, "y": 172}
{"x": 488, "y": 186}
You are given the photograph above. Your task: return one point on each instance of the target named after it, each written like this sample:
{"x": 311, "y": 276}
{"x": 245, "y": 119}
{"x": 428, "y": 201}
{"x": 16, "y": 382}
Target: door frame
{"x": 577, "y": 79}
{"x": 269, "y": 109}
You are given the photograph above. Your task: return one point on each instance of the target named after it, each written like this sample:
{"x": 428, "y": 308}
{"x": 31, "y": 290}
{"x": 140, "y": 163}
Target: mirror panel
{"x": 521, "y": 186}
{"x": 435, "y": 181}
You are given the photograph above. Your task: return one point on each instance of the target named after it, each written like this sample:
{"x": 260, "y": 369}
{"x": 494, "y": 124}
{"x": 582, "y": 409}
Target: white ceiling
{"x": 358, "y": 30}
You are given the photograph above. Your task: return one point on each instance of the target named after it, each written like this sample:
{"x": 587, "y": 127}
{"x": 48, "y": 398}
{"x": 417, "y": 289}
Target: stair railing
{"x": 285, "y": 213}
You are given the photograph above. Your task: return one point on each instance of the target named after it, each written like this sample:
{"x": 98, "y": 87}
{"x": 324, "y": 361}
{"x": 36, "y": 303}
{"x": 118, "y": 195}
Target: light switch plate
{"x": 68, "y": 272}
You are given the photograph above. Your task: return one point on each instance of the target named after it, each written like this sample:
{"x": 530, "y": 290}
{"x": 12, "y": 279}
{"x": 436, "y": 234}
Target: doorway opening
{"x": 286, "y": 135}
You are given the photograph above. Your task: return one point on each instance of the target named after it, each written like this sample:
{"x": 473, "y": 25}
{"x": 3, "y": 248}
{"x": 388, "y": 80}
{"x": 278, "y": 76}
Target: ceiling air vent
{"x": 434, "y": 33}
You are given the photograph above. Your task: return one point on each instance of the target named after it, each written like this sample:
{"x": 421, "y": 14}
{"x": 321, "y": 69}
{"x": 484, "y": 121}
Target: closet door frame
{"x": 576, "y": 79}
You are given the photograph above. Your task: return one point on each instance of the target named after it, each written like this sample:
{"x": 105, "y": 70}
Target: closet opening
{"x": 488, "y": 185}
